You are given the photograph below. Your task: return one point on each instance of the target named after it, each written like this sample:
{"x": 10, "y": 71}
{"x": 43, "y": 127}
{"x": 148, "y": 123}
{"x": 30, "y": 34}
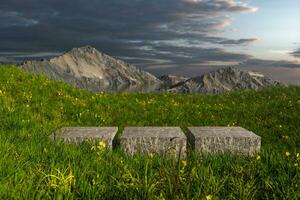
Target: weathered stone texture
{"x": 89, "y": 69}
{"x": 80, "y": 134}
{"x": 217, "y": 140}
{"x": 160, "y": 140}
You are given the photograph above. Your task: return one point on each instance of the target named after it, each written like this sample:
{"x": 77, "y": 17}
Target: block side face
{"x": 225, "y": 143}
{"x": 160, "y": 140}
{"x": 162, "y": 132}
{"x": 215, "y": 145}
{"x": 147, "y": 145}
{"x": 255, "y": 146}
{"x": 80, "y": 134}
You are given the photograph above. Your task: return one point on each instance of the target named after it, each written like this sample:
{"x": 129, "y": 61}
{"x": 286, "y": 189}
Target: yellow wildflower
{"x": 287, "y": 154}
{"x": 296, "y": 164}
{"x": 258, "y": 157}
{"x": 209, "y": 197}
{"x": 297, "y": 155}
{"x": 101, "y": 145}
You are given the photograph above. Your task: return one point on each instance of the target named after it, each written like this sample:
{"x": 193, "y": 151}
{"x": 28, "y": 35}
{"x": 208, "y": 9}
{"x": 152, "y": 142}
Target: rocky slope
{"x": 170, "y": 80}
{"x": 223, "y": 80}
{"x": 90, "y": 69}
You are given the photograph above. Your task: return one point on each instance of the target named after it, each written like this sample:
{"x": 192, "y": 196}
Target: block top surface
{"x": 221, "y": 132}
{"x": 86, "y": 131}
{"x": 161, "y": 132}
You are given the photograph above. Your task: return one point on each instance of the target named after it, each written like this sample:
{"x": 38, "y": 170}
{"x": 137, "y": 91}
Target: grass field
{"x": 34, "y": 167}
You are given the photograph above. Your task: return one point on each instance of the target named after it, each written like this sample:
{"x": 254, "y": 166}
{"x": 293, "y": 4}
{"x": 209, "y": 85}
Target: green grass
{"x": 34, "y": 167}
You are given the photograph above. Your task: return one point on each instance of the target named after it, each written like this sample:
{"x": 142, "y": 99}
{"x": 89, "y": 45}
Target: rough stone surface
{"x": 171, "y": 80}
{"x": 217, "y": 140}
{"x": 87, "y": 68}
{"x": 160, "y": 140}
{"x": 224, "y": 80}
{"x": 79, "y": 134}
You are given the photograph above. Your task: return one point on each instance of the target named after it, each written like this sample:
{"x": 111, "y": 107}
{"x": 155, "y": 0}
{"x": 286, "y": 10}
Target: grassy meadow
{"x": 34, "y": 167}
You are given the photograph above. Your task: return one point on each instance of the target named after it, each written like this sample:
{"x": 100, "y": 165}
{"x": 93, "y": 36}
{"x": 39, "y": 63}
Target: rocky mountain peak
{"x": 84, "y": 50}
{"x": 224, "y": 79}
{"x": 87, "y": 68}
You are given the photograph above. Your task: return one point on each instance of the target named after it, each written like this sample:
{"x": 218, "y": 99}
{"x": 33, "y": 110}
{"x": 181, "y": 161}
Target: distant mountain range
{"x": 87, "y": 68}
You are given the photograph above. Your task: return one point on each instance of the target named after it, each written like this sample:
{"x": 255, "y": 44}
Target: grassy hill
{"x": 33, "y": 166}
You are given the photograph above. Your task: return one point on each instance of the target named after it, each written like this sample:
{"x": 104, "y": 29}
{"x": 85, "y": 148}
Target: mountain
{"x": 87, "y": 68}
{"x": 223, "y": 80}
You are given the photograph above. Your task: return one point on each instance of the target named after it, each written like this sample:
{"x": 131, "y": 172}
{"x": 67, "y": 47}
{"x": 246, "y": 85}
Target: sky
{"x": 182, "y": 37}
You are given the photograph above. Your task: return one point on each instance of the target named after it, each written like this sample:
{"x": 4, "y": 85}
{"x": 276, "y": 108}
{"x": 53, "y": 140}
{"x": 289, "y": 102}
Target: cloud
{"x": 279, "y": 51}
{"x": 14, "y": 18}
{"x": 239, "y": 42}
{"x": 222, "y": 5}
{"x": 268, "y": 63}
{"x": 143, "y": 32}
{"x": 296, "y": 53}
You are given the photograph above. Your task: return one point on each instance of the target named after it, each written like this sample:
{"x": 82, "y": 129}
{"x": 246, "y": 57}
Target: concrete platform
{"x": 80, "y": 134}
{"x": 217, "y": 140}
{"x": 159, "y": 140}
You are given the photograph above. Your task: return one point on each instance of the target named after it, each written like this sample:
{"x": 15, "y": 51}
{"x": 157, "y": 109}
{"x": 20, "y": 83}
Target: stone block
{"x": 157, "y": 140}
{"x": 218, "y": 140}
{"x": 80, "y": 134}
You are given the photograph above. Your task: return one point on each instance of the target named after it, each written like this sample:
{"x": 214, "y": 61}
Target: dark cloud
{"x": 296, "y": 53}
{"x": 221, "y": 5}
{"x": 239, "y": 42}
{"x": 13, "y": 18}
{"x": 162, "y": 31}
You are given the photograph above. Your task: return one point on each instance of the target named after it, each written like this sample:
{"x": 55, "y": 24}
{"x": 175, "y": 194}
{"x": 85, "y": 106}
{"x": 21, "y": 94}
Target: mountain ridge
{"x": 88, "y": 68}
{"x": 224, "y": 80}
